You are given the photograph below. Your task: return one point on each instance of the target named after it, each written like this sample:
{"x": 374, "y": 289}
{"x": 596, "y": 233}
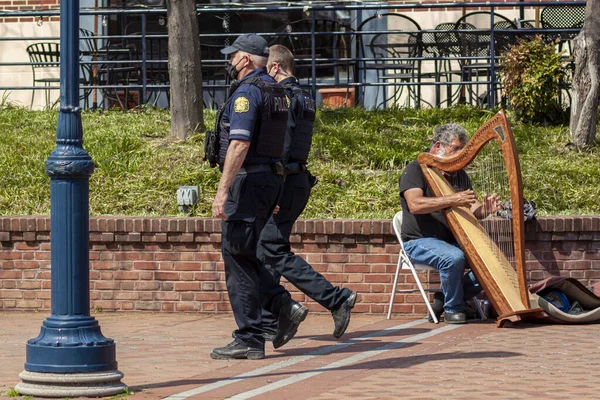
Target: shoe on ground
{"x": 291, "y": 315}
{"x": 455, "y": 318}
{"x": 269, "y": 335}
{"x": 341, "y": 315}
{"x": 438, "y": 306}
{"x": 237, "y": 351}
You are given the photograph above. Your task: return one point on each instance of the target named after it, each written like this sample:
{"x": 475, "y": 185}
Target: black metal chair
{"x": 394, "y": 56}
{"x": 156, "y": 55}
{"x": 45, "y": 59}
{"x": 89, "y": 52}
{"x": 448, "y": 47}
{"x": 525, "y": 24}
{"x": 117, "y": 75}
{"x": 329, "y": 49}
{"x": 431, "y": 50}
{"x": 475, "y": 44}
{"x": 563, "y": 16}
{"x": 114, "y": 72}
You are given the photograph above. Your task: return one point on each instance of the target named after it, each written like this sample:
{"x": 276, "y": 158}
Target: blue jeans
{"x": 449, "y": 259}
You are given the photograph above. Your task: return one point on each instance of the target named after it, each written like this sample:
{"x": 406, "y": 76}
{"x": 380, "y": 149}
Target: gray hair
{"x": 448, "y": 132}
{"x": 258, "y": 61}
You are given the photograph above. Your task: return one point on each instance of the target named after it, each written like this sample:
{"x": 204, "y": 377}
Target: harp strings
{"x": 489, "y": 177}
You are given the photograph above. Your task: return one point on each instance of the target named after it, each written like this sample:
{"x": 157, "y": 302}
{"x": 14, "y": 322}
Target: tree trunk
{"x": 187, "y": 114}
{"x": 586, "y": 79}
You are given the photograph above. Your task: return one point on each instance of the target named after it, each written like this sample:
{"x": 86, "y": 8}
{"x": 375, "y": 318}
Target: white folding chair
{"x": 405, "y": 263}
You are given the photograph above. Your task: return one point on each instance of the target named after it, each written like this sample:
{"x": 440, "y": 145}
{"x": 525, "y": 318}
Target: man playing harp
{"x": 425, "y": 232}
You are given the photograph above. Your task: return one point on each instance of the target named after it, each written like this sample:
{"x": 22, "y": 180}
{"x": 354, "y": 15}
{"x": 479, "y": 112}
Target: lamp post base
{"x": 94, "y": 384}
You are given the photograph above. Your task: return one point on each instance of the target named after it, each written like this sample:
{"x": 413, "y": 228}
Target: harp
{"x": 494, "y": 247}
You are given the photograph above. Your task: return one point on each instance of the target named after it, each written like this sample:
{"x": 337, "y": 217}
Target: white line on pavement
{"x": 318, "y": 352}
{"x": 340, "y": 363}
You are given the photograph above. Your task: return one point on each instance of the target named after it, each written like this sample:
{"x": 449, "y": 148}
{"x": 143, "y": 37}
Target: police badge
{"x": 241, "y": 105}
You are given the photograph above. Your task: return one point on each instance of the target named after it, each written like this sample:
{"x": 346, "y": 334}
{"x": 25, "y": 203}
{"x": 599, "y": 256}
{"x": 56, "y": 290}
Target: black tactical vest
{"x": 269, "y": 138}
{"x": 301, "y": 136}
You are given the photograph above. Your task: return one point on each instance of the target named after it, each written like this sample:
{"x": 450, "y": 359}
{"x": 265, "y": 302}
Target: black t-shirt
{"x": 416, "y": 226}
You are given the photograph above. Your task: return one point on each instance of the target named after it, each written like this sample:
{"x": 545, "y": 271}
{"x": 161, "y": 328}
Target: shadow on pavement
{"x": 385, "y": 363}
{"x": 355, "y": 334}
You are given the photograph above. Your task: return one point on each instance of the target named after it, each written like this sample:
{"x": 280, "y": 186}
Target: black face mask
{"x": 232, "y": 71}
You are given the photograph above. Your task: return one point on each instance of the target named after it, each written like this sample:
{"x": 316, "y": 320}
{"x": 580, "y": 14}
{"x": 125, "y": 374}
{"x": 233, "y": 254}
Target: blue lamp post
{"x": 70, "y": 357}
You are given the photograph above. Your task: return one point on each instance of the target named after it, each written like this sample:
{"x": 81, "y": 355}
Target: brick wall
{"x": 174, "y": 264}
{"x": 28, "y": 5}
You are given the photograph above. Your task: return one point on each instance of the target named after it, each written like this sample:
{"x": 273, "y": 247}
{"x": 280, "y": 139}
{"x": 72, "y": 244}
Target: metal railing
{"x": 140, "y": 71}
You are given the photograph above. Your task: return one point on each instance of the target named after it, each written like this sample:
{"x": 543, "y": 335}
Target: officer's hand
{"x": 218, "y": 207}
{"x": 276, "y": 210}
{"x": 465, "y": 198}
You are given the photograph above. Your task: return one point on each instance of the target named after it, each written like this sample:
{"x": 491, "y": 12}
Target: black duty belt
{"x": 295, "y": 168}
{"x": 275, "y": 168}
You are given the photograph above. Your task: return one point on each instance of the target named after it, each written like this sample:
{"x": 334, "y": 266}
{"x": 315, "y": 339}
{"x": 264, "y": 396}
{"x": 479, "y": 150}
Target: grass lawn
{"x": 357, "y": 155}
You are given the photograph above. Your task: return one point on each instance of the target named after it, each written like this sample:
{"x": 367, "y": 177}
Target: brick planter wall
{"x": 174, "y": 264}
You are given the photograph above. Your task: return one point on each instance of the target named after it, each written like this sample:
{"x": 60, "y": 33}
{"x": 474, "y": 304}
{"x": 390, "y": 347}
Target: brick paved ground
{"x": 166, "y": 354}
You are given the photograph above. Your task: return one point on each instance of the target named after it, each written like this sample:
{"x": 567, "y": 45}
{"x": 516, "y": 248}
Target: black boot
{"x": 438, "y": 306}
{"x": 341, "y": 316}
{"x": 236, "y": 350}
{"x": 291, "y": 315}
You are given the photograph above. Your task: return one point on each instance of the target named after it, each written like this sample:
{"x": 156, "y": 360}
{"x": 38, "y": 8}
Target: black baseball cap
{"x": 250, "y": 43}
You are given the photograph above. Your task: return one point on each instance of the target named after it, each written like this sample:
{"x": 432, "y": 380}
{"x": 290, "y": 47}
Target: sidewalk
{"x": 167, "y": 355}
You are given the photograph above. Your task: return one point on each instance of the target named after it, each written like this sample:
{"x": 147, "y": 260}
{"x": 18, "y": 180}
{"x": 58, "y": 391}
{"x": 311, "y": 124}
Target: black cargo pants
{"x": 275, "y": 252}
{"x": 252, "y": 198}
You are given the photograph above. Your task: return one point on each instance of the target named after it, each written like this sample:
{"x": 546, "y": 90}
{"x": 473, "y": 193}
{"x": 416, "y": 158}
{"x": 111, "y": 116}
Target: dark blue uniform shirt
{"x": 243, "y": 114}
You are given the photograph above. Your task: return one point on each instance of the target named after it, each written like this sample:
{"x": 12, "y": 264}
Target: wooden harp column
{"x": 505, "y": 285}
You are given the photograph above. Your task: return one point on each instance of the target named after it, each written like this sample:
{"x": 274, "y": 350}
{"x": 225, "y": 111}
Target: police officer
{"x": 274, "y": 243}
{"x": 251, "y": 126}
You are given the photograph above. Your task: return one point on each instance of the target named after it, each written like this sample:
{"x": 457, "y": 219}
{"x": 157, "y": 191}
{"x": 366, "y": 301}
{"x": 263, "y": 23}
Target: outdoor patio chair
{"x": 476, "y": 45}
{"x": 45, "y": 59}
{"x": 117, "y": 75}
{"x": 394, "y": 56}
{"x": 329, "y": 49}
{"x": 405, "y": 263}
{"x": 562, "y": 16}
{"x": 156, "y": 68}
{"x": 90, "y": 52}
{"x": 450, "y": 67}
{"x": 110, "y": 68}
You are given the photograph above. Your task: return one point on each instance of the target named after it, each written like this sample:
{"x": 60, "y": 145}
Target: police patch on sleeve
{"x": 287, "y": 100}
{"x": 241, "y": 105}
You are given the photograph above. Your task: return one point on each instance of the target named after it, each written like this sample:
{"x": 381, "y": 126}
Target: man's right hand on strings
{"x": 465, "y": 198}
